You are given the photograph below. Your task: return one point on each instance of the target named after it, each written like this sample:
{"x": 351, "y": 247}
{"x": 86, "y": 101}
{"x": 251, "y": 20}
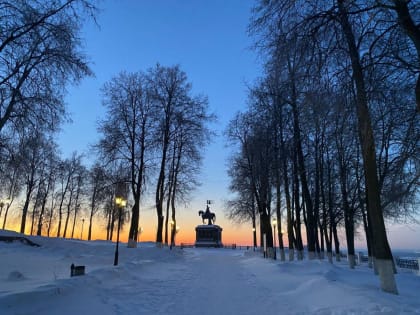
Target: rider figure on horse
{"x": 210, "y": 216}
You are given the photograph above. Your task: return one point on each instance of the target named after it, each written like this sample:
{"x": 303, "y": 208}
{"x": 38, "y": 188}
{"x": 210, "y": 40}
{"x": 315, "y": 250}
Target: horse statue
{"x": 210, "y": 216}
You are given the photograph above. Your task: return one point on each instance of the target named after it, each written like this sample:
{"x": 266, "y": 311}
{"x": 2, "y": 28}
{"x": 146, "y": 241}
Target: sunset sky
{"x": 208, "y": 39}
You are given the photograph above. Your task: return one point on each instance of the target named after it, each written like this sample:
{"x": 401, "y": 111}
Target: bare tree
{"x": 47, "y": 190}
{"x": 127, "y": 133}
{"x": 336, "y": 29}
{"x": 254, "y": 150}
{"x": 241, "y": 208}
{"x": 66, "y": 172}
{"x": 98, "y": 186}
{"x": 40, "y": 53}
{"x": 408, "y": 20}
{"x": 33, "y": 153}
{"x": 172, "y": 96}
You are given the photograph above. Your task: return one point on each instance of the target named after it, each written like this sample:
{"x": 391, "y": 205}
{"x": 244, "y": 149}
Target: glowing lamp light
{"x": 121, "y": 202}
{"x": 274, "y": 226}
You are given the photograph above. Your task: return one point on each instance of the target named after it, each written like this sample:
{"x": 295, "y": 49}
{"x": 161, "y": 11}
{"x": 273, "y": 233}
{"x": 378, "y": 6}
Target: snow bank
{"x": 150, "y": 280}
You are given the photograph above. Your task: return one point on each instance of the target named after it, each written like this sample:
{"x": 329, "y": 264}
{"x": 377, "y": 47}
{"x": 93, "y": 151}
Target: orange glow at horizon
{"x": 231, "y": 234}
{"x": 399, "y": 236}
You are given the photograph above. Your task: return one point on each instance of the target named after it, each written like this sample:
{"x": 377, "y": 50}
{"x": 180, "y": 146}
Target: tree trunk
{"x": 175, "y": 172}
{"x": 382, "y": 251}
{"x": 33, "y": 219}
{"x": 159, "y": 203}
{"x": 108, "y": 226}
{"x": 278, "y": 200}
{"x": 266, "y": 227}
{"x": 29, "y": 188}
{"x": 290, "y": 235}
{"x": 63, "y": 196}
{"x": 24, "y": 213}
{"x": 299, "y": 244}
{"x": 302, "y": 171}
{"x": 169, "y": 199}
{"x": 322, "y": 224}
{"x": 173, "y": 216}
{"x": 348, "y": 212}
{"x": 43, "y": 203}
{"x": 74, "y": 222}
{"x": 67, "y": 217}
{"x": 168, "y": 205}
{"x": 254, "y": 229}
{"x": 321, "y": 234}
{"x": 137, "y": 189}
{"x": 76, "y": 205}
{"x": 90, "y": 226}
{"x": 329, "y": 236}
{"x": 51, "y": 214}
{"x": 336, "y": 242}
{"x": 5, "y": 216}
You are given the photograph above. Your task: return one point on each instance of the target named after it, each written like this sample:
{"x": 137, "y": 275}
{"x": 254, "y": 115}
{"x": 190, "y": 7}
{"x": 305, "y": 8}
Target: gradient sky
{"x": 208, "y": 39}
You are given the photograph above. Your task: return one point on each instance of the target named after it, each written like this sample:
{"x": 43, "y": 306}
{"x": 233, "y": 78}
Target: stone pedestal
{"x": 209, "y": 235}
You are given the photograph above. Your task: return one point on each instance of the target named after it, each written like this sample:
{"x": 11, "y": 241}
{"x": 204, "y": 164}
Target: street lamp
{"x": 120, "y": 202}
{"x": 274, "y": 226}
{"x": 254, "y": 237}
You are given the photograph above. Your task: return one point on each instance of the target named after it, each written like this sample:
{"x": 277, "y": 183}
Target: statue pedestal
{"x": 209, "y": 235}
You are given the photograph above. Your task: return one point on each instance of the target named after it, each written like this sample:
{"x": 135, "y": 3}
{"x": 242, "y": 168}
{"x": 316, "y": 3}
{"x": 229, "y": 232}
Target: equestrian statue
{"x": 208, "y": 235}
{"x": 210, "y": 216}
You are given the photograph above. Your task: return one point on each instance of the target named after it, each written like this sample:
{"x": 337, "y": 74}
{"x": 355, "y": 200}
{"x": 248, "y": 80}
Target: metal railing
{"x": 408, "y": 263}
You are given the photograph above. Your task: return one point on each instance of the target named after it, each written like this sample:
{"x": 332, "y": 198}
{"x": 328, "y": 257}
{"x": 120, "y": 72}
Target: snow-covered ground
{"x": 149, "y": 280}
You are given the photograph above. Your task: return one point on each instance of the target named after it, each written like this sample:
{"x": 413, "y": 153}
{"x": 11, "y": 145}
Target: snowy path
{"x": 208, "y": 281}
{"x": 191, "y": 281}
{"x": 219, "y": 283}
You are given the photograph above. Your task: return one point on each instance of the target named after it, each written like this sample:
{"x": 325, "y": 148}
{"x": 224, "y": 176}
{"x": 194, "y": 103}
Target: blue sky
{"x": 208, "y": 39}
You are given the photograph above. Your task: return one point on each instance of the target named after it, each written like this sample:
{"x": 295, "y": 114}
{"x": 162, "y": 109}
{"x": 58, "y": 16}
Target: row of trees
{"x": 155, "y": 127}
{"x": 331, "y": 133}
{"x": 40, "y": 54}
{"x": 152, "y": 135}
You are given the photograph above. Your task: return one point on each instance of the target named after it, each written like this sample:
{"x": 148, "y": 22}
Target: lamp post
{"x": 81, "y": 233}
{"x": 120, "y": 202}
{"x": 253, "y": 238}
{"x": 274, "y": 226}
